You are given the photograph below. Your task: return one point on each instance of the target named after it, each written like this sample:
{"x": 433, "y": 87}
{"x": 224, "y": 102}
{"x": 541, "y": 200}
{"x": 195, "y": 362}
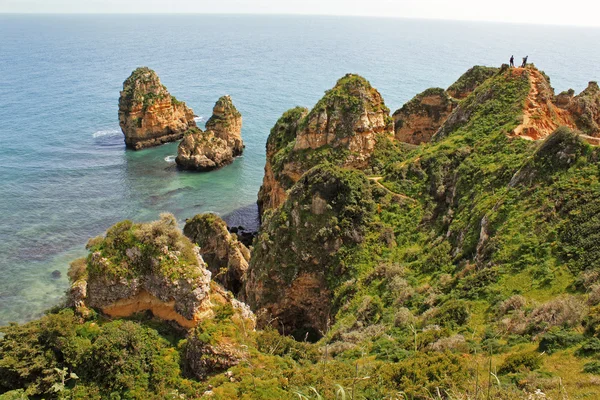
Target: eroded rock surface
{"x": 146, "y": 267}
{"x": 226, "y": 257}
{"x": 218, "y": 145}
{"x": 342, "y": 128}
{"x": 418, "y": 120}
{"x": 148, "y": 114}
{"x": 296, "y": 255}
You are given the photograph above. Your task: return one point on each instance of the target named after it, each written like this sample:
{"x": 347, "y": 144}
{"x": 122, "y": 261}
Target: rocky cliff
{"x": 419, "y": 119}
{"x": 470, "y": 80}
{"x": 276, "y": 181}
{"x": 218, "y": 145}
{"x": 297, "y": 261}
{"x": 584, "y": 108}
{"x": 149, "y": 266}
{"x": 343, "y": 128}
{"x": 148, "y": 114}
{"x": 226, "y": 257}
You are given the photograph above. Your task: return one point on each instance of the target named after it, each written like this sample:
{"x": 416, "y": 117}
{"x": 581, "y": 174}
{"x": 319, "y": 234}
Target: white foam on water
{"x": 170, "y": 159}
{"x": 107, "y": 132}
{"x": 199, "y": 118}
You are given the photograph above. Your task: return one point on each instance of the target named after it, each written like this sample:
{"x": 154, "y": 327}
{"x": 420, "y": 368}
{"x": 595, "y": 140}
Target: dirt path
{"x": 540, "y": 116}
{"x": 377, "y": 180}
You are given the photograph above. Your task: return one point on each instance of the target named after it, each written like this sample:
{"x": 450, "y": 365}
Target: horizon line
{"x": 166, "y": 13}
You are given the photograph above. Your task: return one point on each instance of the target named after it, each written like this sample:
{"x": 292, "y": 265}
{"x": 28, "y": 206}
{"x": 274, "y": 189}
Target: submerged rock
{"x": 148, "y": 114}
{"x": 218, "y": 145}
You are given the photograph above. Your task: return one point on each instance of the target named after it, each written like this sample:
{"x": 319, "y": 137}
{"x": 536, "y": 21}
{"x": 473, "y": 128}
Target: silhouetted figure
{"x": 512, "y": 61}
{"x": 524, "y": 61}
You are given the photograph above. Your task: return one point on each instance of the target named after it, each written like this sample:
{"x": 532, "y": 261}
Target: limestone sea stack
{"x": 218, "y": 145}
{"x": 148, "y": 114}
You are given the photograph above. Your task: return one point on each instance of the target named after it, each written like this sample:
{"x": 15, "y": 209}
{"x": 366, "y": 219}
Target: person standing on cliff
{"x": 512, "y": 61}
{"x": 524, "y": 61}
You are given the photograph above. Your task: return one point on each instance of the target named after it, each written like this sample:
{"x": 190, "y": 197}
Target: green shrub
{"x": 271, "y": 342}
{"x": 452, "y": 313}
{"x": 590, "y": 348}
{"x": 558, "y": 339}
{"x": 520, "y": 362}
{"x": 422, "y": 374}
{"x": 592, "y": 368}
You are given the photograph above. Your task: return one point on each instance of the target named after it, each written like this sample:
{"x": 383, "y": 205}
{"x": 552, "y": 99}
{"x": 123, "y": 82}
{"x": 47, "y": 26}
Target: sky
{"x": 572, "y": 12}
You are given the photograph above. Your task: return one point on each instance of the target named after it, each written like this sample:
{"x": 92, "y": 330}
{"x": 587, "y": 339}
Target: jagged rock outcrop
{"x": 203, "y": 151}
{"x": 541, "y": 116}
{"x": 226, "y": 123}
{"x": 149, "y": 266}
{"x": 218, "y": 145}
{"x": 148, "y": 114}
{"x": 585, "y": 108}
{"x": 273, "y": 192}
{"x": 470, "y": 80}
{"x": 419, "y": 119}
{"x": 342, "y": 128}
{"x": 226, "y": 257}
{"x": 295, "y": 260}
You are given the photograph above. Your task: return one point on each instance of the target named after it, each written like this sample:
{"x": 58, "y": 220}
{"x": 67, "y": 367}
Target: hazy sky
{"x": 572, "y": 12}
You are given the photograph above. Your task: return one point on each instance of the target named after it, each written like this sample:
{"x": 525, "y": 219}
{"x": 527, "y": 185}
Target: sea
{"x": 65, "y": 175}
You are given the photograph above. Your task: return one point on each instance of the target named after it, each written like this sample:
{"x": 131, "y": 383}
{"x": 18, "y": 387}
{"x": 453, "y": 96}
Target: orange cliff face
{"x": 148, "y": 114}
{"x": 541, "y": 116}
{"x": 418, "y": 120}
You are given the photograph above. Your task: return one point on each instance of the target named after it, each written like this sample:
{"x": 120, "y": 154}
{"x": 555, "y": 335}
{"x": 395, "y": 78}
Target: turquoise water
{"x": 65, "y": 174}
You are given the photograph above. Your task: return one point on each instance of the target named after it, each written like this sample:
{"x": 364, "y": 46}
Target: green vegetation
{"x": 130, "y": 250}
{"x": 465, "y": 268}
{"x": 470, "y": 80}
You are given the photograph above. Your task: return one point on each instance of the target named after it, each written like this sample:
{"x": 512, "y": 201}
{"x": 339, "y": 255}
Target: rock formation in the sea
{"x": 342, "y": 128}
{"x": 226, "y": 123}
{"x": 296, "y": 257}
{"x": 147, "y": 266}
{"x": 218, "y": 145}
{"x": 419, "y": 119}
{"x": 225, "y": 256}
{"x": 148, "y": 114}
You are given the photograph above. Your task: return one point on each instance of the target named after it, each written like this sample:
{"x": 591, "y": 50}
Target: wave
{"x": 106, "y": 133}
{"x": 199, "y": 118}
{"x": 170, "y": 159}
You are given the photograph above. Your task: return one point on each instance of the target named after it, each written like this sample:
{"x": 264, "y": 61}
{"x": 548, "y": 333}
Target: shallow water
{"x": 65, "y": 174}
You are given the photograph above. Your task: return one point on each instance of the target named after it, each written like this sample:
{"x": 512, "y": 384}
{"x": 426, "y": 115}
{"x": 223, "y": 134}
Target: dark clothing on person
{"x": 524, "y": 61}
{"x": 512, "y": 61}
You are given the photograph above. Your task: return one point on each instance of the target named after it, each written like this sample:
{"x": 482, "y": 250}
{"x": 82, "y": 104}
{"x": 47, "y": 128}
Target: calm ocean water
{"x": 65, "y": 175}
